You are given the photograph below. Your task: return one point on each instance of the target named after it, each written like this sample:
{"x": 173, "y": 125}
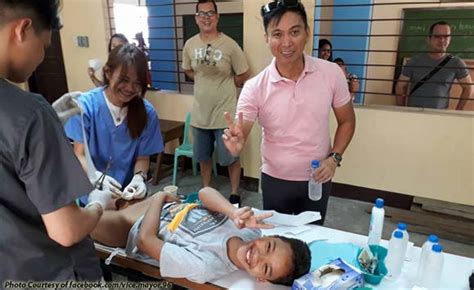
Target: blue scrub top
{"x": 109, "y": 142}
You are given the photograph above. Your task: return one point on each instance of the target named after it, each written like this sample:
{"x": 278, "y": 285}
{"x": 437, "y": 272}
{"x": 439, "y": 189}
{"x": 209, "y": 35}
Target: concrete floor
{"x": 343, "y": 214}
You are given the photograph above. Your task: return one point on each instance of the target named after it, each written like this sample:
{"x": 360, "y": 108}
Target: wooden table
{"x": 170, "y": 130}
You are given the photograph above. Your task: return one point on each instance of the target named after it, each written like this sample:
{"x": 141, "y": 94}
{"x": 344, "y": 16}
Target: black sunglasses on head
{"x": 274, "y": 4}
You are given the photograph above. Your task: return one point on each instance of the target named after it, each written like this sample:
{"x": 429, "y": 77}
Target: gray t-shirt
{"x": 435, "y": 92}
{"x": 39, "y": 174}
{"x": 197, "y": 250}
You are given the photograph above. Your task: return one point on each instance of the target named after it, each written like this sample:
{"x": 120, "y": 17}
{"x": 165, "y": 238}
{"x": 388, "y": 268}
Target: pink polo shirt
{"x": 294, "y": 115}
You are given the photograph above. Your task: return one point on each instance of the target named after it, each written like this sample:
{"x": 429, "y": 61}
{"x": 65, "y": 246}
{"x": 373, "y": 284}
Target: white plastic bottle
{"x": 315, "y": 189}
{"x": 402, "y": 227}
{"x": 433, "y": 268}
{"x": 396, "y": 255}
{"x": 376, "y": 222}
{"x": 425, "y": 250}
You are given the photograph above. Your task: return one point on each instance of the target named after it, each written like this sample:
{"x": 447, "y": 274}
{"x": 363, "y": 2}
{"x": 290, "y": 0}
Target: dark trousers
{"x": 291, "y": 197}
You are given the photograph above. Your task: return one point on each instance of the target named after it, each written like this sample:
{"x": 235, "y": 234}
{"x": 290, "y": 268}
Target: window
{"x": 375, "y": 38}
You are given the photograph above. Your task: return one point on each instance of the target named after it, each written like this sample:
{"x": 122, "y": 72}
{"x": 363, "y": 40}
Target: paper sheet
{"x": 281, "y": 219}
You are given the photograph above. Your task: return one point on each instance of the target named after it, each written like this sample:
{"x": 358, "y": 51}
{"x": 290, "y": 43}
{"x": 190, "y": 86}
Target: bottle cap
{"x": 437, "y": 248}
{"x": 398, "y": 235}
{"x": 402, "y": 226}
{"x": 379, "y": 202}
{"x": 314, "y": 164}
{"x": 433, "y": 239}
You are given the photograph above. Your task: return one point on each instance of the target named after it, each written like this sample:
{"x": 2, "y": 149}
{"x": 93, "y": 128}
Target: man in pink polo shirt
{"x": 292, "y": 99}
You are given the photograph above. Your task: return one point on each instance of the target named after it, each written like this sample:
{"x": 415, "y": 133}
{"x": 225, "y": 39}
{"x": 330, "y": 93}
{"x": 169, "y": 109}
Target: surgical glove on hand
{"x": 136, "y": 189}
{"x": 108, "y": 183}
{"x": 102, "y": 197}
{"x": 66, "y": 106}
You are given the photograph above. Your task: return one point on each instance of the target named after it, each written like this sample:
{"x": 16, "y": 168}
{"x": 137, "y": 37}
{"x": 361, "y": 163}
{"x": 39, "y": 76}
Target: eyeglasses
{"x": 280, "y": 3}
{"x": 439, "y": 36}
{"x": 209, "y": 13}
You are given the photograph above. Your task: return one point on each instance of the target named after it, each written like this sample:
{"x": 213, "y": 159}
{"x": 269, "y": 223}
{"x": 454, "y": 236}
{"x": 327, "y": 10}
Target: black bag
{"x": 431, "y": 73}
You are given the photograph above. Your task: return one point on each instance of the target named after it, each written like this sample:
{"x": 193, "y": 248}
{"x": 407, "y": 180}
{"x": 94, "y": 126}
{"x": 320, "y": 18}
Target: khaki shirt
{"x": 215, "y": 64}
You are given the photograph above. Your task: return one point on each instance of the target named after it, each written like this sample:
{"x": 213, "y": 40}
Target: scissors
{"x": 99, "y": 184}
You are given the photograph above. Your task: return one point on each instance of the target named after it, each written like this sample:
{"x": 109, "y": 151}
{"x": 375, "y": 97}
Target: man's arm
{"x": 189, "y": 73}
{"x": 71, "y": 224}
{"x": 239, "y": 80}
{"x": 94, "y": 79}
{"x": 214, "y": 201}
{"x": 401, "y": 90}
{"x": 148, "y": 241}
{"x": 345, "y": 117}
{"x": 466, "y": 91}
{"x": 346, "y": 122}
{"x": 243, "y": 217}
{"x": 80, "y": 154}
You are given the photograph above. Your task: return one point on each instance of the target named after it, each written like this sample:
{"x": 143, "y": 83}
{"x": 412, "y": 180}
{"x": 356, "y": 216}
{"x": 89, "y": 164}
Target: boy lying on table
{"x": 203, "y": 242}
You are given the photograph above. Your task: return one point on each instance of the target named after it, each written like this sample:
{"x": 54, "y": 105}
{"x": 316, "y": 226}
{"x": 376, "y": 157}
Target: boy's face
{"x": 27, "y": 49}
{"x": 267, "y": 258}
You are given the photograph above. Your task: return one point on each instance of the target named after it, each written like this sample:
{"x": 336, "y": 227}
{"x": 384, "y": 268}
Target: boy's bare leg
{"x": 114, "y": 225}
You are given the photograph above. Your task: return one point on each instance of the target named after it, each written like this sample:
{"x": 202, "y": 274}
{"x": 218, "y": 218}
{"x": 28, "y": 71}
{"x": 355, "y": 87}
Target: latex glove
{"x": 102, "y": 197}
{"x": 109, "y": 183}
{"x": 136, "y": 189}
{"x": 66, "y": 106}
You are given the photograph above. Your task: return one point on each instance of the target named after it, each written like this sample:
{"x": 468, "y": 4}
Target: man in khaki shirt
{"x": 217, "y": 65}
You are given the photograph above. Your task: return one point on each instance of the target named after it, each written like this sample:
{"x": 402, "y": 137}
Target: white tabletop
{"x": 456, "y": 269}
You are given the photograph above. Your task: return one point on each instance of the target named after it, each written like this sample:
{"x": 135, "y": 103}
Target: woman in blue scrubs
{"x": 121, "y": 128}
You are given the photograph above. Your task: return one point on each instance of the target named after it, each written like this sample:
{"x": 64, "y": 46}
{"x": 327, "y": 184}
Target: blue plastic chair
{"x": 186, "y": 149}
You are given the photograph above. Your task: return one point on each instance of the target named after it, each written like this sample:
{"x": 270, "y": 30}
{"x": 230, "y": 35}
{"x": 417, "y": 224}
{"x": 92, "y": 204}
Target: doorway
{"x": 49, "y": 78}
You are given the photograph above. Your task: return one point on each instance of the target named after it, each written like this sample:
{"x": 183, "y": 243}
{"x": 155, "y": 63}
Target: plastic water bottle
{"x": 315, "y": 189}
{"x": 376, "y": 223}
{"x": 425, "y": 250}
{"x": 402, "y": 227}
{"x": 396, "y": 255}
{"x": 433, "y": 268}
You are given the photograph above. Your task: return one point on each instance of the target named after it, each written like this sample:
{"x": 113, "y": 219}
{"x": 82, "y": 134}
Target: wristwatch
{"x": 336, "y": 157}
{"x": 142, "y": 174}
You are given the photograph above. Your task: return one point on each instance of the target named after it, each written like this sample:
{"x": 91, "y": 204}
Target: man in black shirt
{"x": 44, "y": 234}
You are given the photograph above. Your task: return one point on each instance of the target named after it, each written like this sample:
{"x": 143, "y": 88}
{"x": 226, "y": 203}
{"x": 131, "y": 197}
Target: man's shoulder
{"x": 330, "y": 70}
{"x": 419, "y": 56}
{"x": 18, "y": 103}
{"x": 260, "y": 79}
{"x": 193, "y": 40}
{"x": 322, "y": 64}
{"x": 457, "y": 61}
{"x": 229, "y": 40}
